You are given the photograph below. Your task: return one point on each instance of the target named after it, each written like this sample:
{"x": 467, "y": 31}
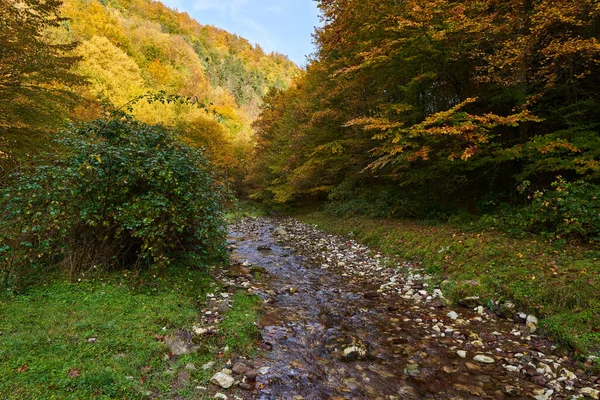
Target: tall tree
{"x": 35, "y": 65}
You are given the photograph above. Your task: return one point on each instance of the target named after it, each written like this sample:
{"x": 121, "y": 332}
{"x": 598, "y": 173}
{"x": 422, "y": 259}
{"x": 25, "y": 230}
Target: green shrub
{"x": 570, "y": 209}
{"x": 123, "y": 194}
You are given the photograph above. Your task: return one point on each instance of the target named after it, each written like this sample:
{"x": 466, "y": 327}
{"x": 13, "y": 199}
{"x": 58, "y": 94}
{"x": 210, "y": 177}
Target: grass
{"x": 98, "y": 338}
{"x": 561, "y": 284}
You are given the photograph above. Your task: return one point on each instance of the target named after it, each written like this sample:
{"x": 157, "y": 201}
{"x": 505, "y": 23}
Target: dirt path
{"x": 342, "y": 324}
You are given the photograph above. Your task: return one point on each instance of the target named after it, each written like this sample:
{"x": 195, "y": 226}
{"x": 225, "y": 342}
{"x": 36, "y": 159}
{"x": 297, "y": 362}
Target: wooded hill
{"x": 126, "y": 49}
{"x": 428, "y": 108}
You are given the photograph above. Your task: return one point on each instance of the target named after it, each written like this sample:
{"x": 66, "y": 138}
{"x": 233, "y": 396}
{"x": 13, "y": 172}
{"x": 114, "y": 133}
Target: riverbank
{"x": 158, "y": 334}
{"x": 560, "y": 285}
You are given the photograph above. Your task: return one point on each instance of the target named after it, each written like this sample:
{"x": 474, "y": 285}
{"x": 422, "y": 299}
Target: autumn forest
{"x": 142, "y": 153}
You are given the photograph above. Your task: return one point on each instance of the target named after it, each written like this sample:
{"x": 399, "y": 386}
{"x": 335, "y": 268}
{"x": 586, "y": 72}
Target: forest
{"x": 431, "y": 109}
{"x": 415, "y": 212}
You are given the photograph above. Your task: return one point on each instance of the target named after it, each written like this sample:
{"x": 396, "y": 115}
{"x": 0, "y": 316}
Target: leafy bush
{"x": 570, "y": 209}
{"x": 124, "y": 194}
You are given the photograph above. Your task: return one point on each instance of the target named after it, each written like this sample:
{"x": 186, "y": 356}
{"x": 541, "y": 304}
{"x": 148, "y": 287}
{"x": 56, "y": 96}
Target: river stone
{"x": 220, "y": 396}
{"x": 251, "y": 375}
{"x": 591, "y": 393}
{"x": 208, "y": 365}
{"x": 453, "y": 315}
{"x": 239, "y": 368}
{"x": 180, "y": 342}
{"x": 238, "y": 271}
{"x": 462, "y": 353}
{"x": 505, "y": 310}
{"x": 223, "y": 380}
{"x": 412, "y": 370}
{"x": 532, "y": 323}
{"x": 280, "y": 231}
{"x": 470, "y": 302}
{"x": 354, "y": 353}
{"x": 484, "y": 359}
{"x": 543, "y": 394}
{"x": 510, "y": 390}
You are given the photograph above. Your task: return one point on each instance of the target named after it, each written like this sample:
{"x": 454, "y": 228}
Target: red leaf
{"x": 23, "y": 368}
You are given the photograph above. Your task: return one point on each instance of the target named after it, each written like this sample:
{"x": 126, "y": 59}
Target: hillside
{"x": 129, "y": 48}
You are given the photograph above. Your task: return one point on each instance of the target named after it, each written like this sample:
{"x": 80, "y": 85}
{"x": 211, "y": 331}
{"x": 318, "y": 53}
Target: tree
{"x": 35, "y": 67}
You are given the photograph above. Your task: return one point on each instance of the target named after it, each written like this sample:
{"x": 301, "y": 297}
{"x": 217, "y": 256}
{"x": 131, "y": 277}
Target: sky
{"x": 284, "y": 26}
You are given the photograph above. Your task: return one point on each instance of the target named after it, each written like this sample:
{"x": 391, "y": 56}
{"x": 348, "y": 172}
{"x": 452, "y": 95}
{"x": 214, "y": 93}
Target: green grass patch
{"x": 47, "y": 350}
{"x": 559, "y": 283}
{"x": 239, "y": 326}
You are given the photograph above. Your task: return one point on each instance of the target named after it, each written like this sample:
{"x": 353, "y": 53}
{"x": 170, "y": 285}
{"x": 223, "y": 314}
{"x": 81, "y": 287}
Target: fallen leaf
{"x": 73, "y": 373}
{"x": 23, "y": 368}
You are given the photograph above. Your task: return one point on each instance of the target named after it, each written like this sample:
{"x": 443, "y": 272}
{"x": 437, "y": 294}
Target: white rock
{"x": 484, "y": 359}
{"x": 452, "y": 315}
{"x": 532, "y": 323}
{"x": 223, "y": 380}
{"x": 543, "y": 394}
{"x": 569, "y": 375}
{"x": 220, "y": 396}
{"x": 511, "y": 368}
{"x": 480, "y": 310}
{"x": 591, "y": 393}
{"x": 462, "y": 353}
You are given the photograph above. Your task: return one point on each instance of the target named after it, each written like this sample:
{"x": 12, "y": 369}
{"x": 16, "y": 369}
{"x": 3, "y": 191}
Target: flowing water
{"x": 341, "y": 324}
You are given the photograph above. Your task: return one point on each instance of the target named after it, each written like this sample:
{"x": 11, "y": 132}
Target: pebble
{"x": 484, "y": 359}
{"x": 462, "y": 353}
{"x": 453, "y": 315}
{"x": 223, "y": 380}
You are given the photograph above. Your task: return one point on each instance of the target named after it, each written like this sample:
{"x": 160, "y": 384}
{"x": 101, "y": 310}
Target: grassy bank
{"x": 559, "y": 284}
{"x": 103, "y": 338}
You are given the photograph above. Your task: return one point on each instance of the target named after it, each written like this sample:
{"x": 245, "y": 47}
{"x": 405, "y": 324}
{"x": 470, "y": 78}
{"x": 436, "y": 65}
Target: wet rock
{"x": 223, "y": 380}
{"x": 412, "y": 370}
{"x": 354, "y": 352}
{"x": 484, "y": 359}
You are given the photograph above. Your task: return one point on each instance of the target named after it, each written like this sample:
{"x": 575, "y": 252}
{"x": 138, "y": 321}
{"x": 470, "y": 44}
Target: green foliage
{"x": 124, "y": 193}
{"x": 239, "y": 328}
{"x": 570, "y": 209}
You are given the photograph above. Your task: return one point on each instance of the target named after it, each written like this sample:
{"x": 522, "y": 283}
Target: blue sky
{"x": 284, "y": 26}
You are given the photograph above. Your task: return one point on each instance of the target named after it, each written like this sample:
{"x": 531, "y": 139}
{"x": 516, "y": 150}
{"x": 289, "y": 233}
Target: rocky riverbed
{"x": 344, "y": 322}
